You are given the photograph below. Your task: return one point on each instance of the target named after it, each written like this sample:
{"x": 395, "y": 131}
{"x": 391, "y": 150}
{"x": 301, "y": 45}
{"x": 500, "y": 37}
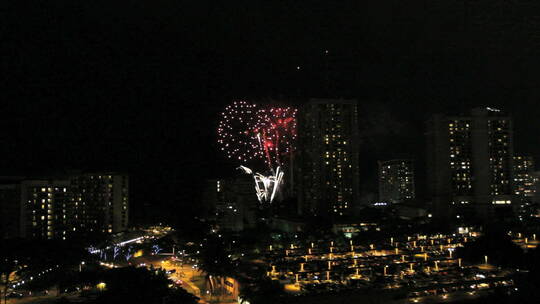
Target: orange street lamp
{"x": 385, "y": 267}
{"x": 425, "y": 256}
{"x": 486, "y": 259}
{"x": 403, "y": 259}
{"x": 459, "y": 262}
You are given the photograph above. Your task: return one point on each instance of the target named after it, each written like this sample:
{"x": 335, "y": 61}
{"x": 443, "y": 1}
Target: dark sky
{"x": 137, "y": 86}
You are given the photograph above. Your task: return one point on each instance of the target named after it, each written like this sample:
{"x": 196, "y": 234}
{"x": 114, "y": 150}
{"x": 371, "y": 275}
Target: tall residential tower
{"x": 396, "y": 181}
{"x": 469, "y": 165}
{"x": 328, "y": 157}
{"x": 64, "y": 207}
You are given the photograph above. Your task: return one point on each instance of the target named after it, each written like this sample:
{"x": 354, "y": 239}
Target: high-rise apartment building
{"x": 525, "y": 186}
{"x": 232, "y": 202}
{"x": 46, "y": 209}
{"x": 328, "y": 178}
{"x": 101, "y": 201}
{"x": 64, "y": 207}
{"x": 396, "y": 181}
{"x": 524, "y": 177}
{"x": 470, "y": 163}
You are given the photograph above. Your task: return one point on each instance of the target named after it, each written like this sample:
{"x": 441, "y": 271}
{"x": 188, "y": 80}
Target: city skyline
{"x": 264, "y": 152}
{"x": 138, "y": 104}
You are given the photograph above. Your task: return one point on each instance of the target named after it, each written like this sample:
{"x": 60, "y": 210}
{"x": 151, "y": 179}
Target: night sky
{"x": 138, "y": 86}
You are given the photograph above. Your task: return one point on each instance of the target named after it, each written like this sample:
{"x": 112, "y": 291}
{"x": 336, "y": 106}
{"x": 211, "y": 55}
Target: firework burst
{"x": 235, "y": 131}
{"x": 248, "y": 133}
{"x": 276, "y": 134}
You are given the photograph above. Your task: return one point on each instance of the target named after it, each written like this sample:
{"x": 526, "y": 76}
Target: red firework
{"x": 276, "y": 133}
{"x": 247, "y": 132}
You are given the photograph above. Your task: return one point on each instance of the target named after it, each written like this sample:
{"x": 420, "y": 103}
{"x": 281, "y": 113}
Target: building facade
{"x": 65, "y": 207}
{"x": 101, "y": 202}
{"x": 232, "y": 203}
{"x": 327, "y": 158}
{"x": 524, "y": 177}
{"x": 525, "y": 186}
{"x": 396, "y": 181}
{"x": 470, "y": 164}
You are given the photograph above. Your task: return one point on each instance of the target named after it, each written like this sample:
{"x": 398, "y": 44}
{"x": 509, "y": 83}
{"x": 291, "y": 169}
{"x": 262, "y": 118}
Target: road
{"x": 192, "y": 279}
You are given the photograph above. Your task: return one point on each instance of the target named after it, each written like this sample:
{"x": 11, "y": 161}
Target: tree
{"x": 140, "y": 285}
{"x": 215, "y": 262}
{"x": 495, "y": 244}
{"x": 29, "y": 257}
{"x": 262, "y": 290}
